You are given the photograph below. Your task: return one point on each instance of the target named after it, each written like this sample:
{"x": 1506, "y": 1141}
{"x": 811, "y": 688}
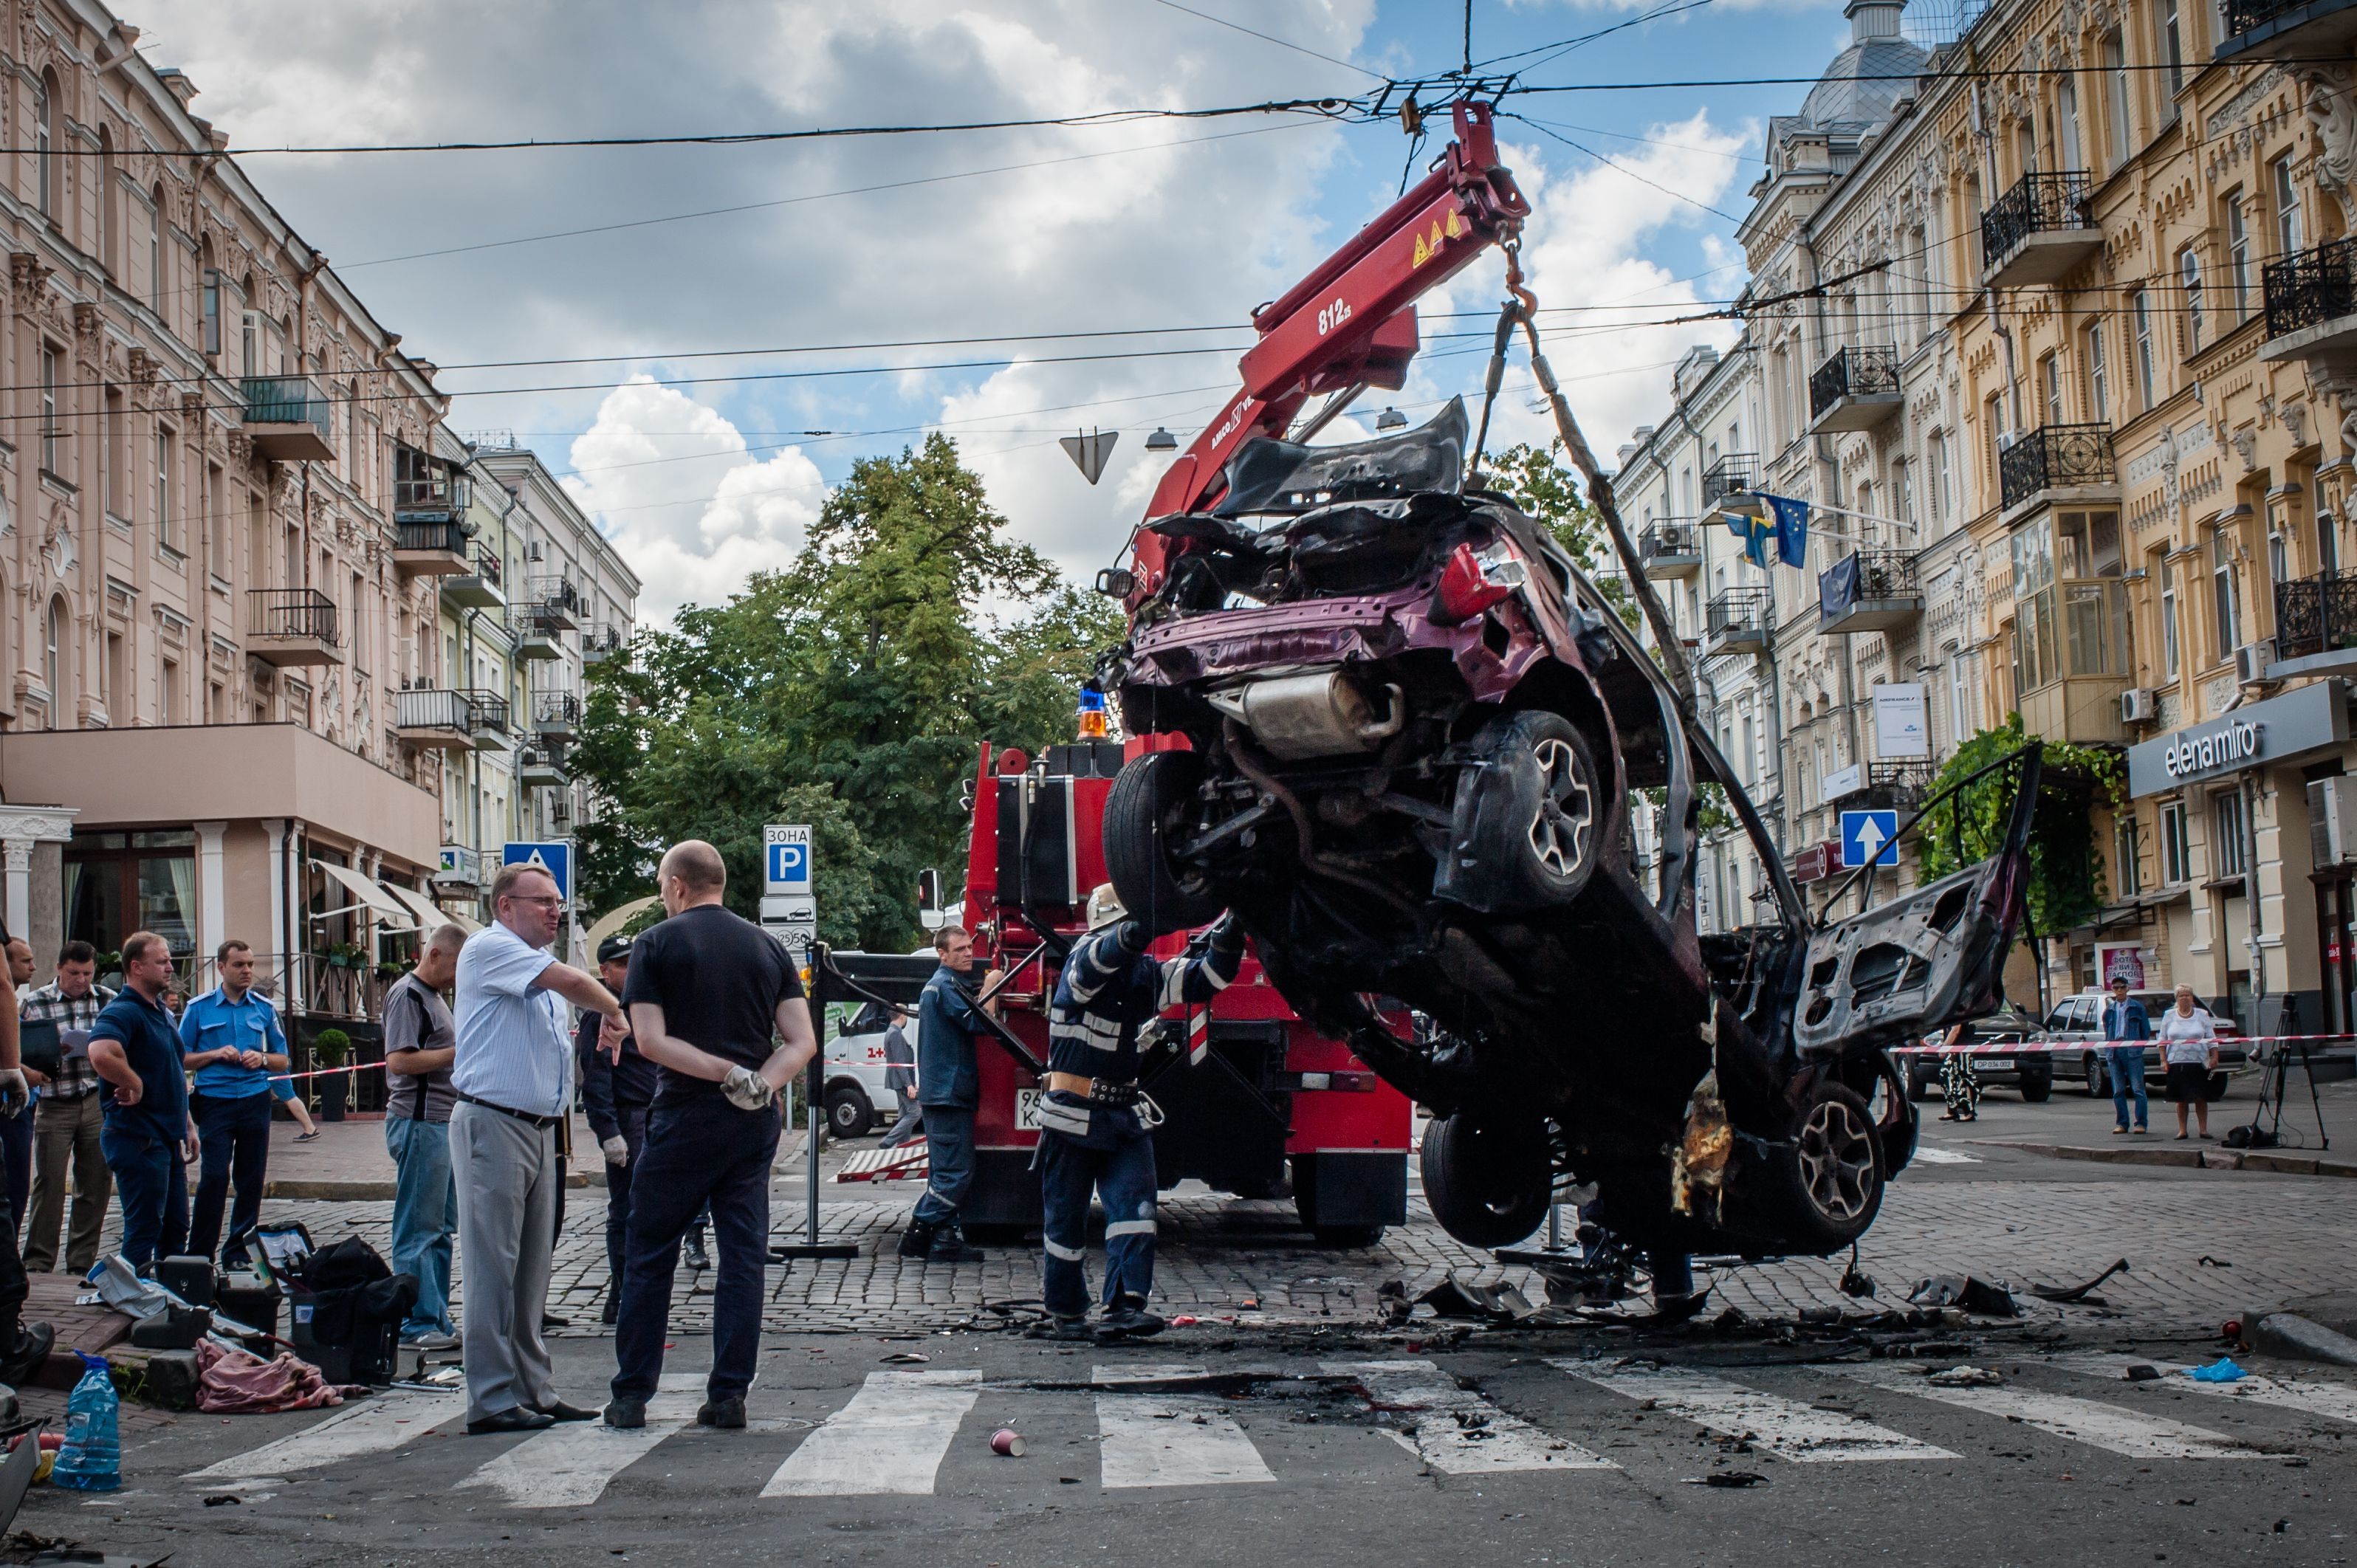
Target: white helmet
{"x": 1105, "y": 907}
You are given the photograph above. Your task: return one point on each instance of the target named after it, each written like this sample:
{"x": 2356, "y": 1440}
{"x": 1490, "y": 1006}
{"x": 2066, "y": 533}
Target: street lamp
{"x": 1391, "y": 419}
{"x": 1161, "y": 441}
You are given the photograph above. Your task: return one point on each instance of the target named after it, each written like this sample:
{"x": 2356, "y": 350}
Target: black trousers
{"x": 12, "y": 1283}
{"x": 234, "y": 1134}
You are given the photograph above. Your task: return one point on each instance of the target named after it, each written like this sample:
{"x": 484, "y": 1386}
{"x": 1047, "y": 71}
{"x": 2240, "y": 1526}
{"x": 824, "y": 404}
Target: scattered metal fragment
{"x": 1729, "y": 1478}
{"x": 1453, "y": 1297}
{"x": 1965, "y": 1378}
{"x": 2143, "y": 1372}
{"x": 2206, "y": 1262}
{"x": 2080, "y": 1294}
{"x": 224, "y": 1500}
{"x": 1976, "y": 1297}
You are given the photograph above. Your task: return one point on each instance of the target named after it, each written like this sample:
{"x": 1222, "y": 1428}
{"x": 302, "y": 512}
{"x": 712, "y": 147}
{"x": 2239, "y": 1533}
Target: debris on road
{"x": 1006, "y": 1442}
{"x": 1728, "y": 1478}
{"x": 2222, "y": 1371}
{"x": 1453, "y": 1297}
{"x": 2143, "y": 1372}
{"x": 1974, "y": 1295}
{"x": 1965, "y": 1378}
{"x": 2080, "y": 1296}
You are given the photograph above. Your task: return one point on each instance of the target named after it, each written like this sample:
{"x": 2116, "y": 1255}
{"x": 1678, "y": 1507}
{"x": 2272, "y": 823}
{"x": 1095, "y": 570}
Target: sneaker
{"x": 2118, "y": 1132}
{"x": 1128, "y": 1321}
{"x": 626, "y": 1414}
{"x": 727, "y": 1414}
{"x": 430, "y": 1342}
{"x": 1060, "y": 1328}
{"x": 917, "y": 1240}
{"x": 948, "y": 1246}
{"x": 306, "y": 1137}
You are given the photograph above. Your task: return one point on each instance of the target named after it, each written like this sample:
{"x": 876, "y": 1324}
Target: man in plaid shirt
{"x": 64, "y": 1128}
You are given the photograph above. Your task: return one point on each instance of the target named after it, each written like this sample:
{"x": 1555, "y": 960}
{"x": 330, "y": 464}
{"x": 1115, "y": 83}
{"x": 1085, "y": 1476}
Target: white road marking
{"x": 1157, "y": 1440}
{"x": 891, "y": 1438}
{"x": 2131, "y": 1433}
{"x": 373, "y": 1426}
{"x": 1462, "y": 1434}
{"x": 568, "y": 1465}
{"x": 1786, "y": 1428}
{"x": 2334, "y": 1402}
{"x": 1933, "y": 1154}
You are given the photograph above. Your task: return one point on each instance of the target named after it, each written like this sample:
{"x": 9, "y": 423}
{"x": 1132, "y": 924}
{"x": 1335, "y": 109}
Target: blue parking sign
{"x": 790, "y": 863}
{"x": 1869, "y": 838}
{"x": 786, "y": 860}
{"x": 555, "y": 857}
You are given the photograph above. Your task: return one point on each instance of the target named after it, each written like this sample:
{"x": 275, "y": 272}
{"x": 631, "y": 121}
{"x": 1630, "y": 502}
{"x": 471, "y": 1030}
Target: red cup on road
{"x": 1007, "y": 1441}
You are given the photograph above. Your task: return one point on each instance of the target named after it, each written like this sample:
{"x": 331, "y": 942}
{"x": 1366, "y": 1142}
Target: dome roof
{"x": 1865, "y": 79}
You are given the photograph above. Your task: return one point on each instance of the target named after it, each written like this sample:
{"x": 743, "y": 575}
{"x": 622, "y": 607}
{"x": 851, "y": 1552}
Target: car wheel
{"x": 2215, "y": 1090}
{"x": 1147, "y": 804}
{"x": 2097, "y": 1088}
{"x": 2037, "y": 1088}
{"x": 1832, "y": 1176}
{"x": 848, "y": 1113}
{"x": 1920, "y": 1084}
{"x": 1527, "y": 837}
{"x": 1487, "y": 1181}
{"x": 1348, "y": 1237}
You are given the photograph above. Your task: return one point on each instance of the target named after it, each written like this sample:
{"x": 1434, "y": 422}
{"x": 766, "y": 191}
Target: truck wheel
{"x": 1827, "y": 1186}
{"x": 1526, "y": 836}
{"x": 848, "y": 1113}
{"x": 1345, "y": 1237}
{"x": 1147, "y": 804}
{"x": 1487, "y": 1181}
{"x": 2036, "y": 1087}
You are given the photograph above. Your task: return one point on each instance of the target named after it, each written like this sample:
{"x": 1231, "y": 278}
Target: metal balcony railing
{"x": 1735, "y": 472}
{"x": 2038, "y": 204}
{"x": 556, "y": 711}
{"x": 488, "y": 710}
{"x": 1902, "y": 785}
{"x": 1674, "y": 536}
{"x": 1854, "y": 373}
{"x": 409, "y": 533}
{"x": 2242, "y": 16}
{"x": 2054, "y": 456}
{"x": 2308, "y": 287}
{"x": 293, "y": 614}
{"x": 557, "y": 595}
{"x": 1740, "y": 611}
{"x": 487, "y": 566}
{"x": 286, "y": 400}
{"x": 433, "y": 709}
{"x": 2316, "y": 614}
{"x": 601, "y": 642}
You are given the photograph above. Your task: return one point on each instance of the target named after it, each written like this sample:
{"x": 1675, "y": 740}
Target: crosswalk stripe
{"x": 1169, "y": 1439}
{"x": 375, "y": 1425}
{"x": 891, "y": 1437}
{"x": 568, "y": 1465}
{"x": 1786, "y": 1428}
{"x": 2131, "y": 1433}
{"x": 2334, "y": 1402}
{"x": 1458, "y": 1433}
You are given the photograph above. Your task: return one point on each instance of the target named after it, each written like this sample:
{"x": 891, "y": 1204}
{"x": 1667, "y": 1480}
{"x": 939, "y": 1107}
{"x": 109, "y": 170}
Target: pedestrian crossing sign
{"x": 555, "y": 857}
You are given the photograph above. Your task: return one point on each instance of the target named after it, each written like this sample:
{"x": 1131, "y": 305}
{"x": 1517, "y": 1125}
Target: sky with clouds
{"x": 729, "y": 302}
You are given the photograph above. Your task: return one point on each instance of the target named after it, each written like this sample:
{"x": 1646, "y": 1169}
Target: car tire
{"x": 2214, "y": 1090}
{"x": 1828, "y": 1183}
{"x": 2037, "y": 1088}
{"x": 1344, "y": 1238}
{"x": 849, "y": 1114}
{"x": 1140, "y": 813}
{"x": 1919, "y": 1084}
{"x": 1529, "y": 835}
{"x": 1488, "y": 1181}
{"x": 2098, "y": 1088}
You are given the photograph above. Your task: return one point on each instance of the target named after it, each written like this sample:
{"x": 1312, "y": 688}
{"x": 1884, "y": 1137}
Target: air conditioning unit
{"x": 2251, "y": 661}
{"x": 2139, "y": 705}
{"x": 2332, "y": 822}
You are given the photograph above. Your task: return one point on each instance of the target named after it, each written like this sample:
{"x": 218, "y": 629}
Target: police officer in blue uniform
{"x": 1096, "y": 1123}
{"x": 949, "y": 1087}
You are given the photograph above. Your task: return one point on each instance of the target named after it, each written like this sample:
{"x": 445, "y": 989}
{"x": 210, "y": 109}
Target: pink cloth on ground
{"x": 237, "y": 1382}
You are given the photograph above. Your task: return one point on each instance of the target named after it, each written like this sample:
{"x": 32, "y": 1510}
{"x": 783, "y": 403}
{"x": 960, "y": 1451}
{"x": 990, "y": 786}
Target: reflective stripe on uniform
{"x": 1174, "y": 982}
{"x": 1070, "y": 1254}
{"x": 1129, "y": 1228}
{"x": 1062, "y": 1118}
{"x": 1088, "y": 1032}
{"x": 1089, "y": 972}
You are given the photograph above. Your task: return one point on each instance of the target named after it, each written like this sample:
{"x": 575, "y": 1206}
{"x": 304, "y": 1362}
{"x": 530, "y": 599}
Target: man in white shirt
{"x": 513, "y": 1077}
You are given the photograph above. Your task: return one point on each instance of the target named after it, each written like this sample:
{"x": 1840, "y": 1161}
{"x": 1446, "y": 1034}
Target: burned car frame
{"x": 1390, "y": 722}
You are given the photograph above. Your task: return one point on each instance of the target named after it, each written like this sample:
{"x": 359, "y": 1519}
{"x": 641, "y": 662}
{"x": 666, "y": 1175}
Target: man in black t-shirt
{"x": 709, "y": 995}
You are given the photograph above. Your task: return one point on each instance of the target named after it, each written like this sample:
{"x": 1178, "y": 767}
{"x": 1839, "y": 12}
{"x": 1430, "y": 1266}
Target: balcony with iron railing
{"x": 1888, "y": 786}
{"x": 602, "y": 644}
{"x": 2311, "y": 303}
{"x": 293, "y": 626}
{"x": 288, "y": 419}
{"x": 436, "y": 717}
{"x": 2317, "y": 615}
{"x": 2039, "y": 231}
{"x": 478, "y": 587}
{"x": 1732, "y": 474}
{"x": 430, "y": 496}
{"x": 555, "y": 603}
{"x": 1869, "y": 590}
{"x": 489, "y": 719}
{"x": 541, "y": 765}
{"x": 2056, "y": 458}
{"x": 1670, "y": 548}
{"x": 1738, "y": 621}
{"x": 1857, "y": 388}
{"x": 557, "y": 715}
{"x": 2280, "y": 29}
{"x": 429, "y": 547}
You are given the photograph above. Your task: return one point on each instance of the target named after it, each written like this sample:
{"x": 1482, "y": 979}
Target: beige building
{"x": 206, "y": 607}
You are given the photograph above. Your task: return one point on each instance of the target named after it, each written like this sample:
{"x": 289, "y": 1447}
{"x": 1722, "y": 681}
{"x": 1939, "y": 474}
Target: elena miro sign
{"x": 2281, "y": 729}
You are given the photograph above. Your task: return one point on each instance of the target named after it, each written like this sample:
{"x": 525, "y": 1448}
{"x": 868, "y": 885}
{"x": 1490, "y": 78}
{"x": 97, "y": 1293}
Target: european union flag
{"x": 1792, "y": 529}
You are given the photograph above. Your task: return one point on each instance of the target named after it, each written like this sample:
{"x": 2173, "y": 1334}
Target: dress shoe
{"x": 948, "y": 1246}
{"x": 611, "y": 1311}
{"x": 1128, "y": 1321}
{"x": 516, "y": 1420}
{"x": 557, "y": 1410}
{"x": 549, "y": 1320}
{"x": 1074, "y": 1329}
{"x": 626, "y": 1415}
{"x": 917, "y": 1240}
{"x": 34, "y": 1342}
{"x": 727, "y": 1414}
{"x": 697, "y": 1258}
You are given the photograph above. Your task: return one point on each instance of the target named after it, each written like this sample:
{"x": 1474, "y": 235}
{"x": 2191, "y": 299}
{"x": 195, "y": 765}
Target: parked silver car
{"x": 2079, "y": 1020}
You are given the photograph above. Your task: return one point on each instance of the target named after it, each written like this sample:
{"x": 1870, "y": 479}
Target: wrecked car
{"x": 1392, "y": 724}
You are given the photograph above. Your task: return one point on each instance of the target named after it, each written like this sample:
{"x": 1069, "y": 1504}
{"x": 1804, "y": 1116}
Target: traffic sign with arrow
{"x": 1869, "y": 838}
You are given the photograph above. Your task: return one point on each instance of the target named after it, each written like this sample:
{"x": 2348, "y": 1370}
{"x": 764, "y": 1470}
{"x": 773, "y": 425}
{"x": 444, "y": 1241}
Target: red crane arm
{"x": 1353, "y": 319}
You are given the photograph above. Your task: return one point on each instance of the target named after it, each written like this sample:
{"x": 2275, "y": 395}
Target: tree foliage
{"x": 851, "y": 691}
{"x": 1534, "y": 479}
{"x": 2066, "y": 874}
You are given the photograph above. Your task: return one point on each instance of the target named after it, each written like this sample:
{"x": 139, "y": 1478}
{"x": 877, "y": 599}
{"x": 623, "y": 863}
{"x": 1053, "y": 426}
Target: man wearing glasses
{"x": 513, "y": 1077}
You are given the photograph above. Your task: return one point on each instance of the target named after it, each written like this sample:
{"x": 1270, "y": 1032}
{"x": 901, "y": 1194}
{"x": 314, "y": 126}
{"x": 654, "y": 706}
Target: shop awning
{"x": 430, "y": 915}
{"x": 384, "y": 906}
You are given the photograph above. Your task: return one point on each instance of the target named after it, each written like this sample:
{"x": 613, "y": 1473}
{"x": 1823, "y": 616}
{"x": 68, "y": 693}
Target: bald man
{"x": 710, "y": 997}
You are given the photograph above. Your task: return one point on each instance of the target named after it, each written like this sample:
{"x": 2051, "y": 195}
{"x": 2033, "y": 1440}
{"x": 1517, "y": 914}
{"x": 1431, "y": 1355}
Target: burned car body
{"x": 1414, "y": 734}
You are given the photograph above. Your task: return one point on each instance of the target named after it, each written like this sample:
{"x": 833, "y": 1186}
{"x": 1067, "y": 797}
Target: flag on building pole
{"x": 1792, "y": 529}
{"x": 1755, "y": 533}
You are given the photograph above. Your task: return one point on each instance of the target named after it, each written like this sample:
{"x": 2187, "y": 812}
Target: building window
{"x": 2066, "y": 121}
{"x": 168, "y": 694}
{"x": 53, "y": 657}
{"x": 2129, "y": 882}
{"x": 1995, "y": 409}
{"x": 2172, "y": 51}
{"x": 118, "y": 681}
{"x": 2050, "y": 388}
{"x": 216, "y": 521}
{"x": 2140, "y": 312}
{"x": 110, "y": 456}
{"x": 1903, "y": 492}
{"x": 44, "y": 143}
{"x": 2225, "y": 600}
{"x": 49, "y": 433}
{"x": 2228, "y": 852}
{"x": 2176, "y": 853}
{"x": 1959, "y": 720}
{"x": 212, "y": 309}
{"x": 156, "y": 255}
{"x": 2168, "y": 619}
{"x": 2189, "y": 274}
{"x": 167, "y": 528}
{"x": 2116, "y": 95}
{"x": 116, "y": 884}
{"x": 2279, "y": 558}
{"x": 2288, "y": 236}
{"x": 2238, "y": 256}
{"x": 1935, "y": 465}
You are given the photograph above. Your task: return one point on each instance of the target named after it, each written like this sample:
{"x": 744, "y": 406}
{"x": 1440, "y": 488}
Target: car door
{"x": 1928, "y": 959}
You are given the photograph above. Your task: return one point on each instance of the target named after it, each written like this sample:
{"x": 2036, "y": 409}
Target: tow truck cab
{"x": 1270, "y": 1096}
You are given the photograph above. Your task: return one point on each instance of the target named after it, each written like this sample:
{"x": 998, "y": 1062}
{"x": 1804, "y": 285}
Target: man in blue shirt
{"x": 949, "y": 1085}
{"x": 232, "y": 1041}
{"x": 148, "y": 1135}
{"x": 2124, "y": 1019}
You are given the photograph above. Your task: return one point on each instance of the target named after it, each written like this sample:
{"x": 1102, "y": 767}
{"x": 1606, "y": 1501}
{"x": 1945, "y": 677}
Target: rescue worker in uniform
{"x": 1096, "y": 1125}
{"x": 949, "y": 1087}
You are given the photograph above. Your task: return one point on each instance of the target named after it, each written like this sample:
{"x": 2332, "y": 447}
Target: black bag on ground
{"x": 347, "y": 1307}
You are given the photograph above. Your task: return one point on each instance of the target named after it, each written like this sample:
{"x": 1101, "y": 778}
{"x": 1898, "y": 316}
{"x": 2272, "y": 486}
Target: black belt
{"x": 543, "y": 1123}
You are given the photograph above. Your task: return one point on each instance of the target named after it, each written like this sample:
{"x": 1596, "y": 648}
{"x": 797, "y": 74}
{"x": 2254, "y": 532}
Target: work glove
{"x": 13, "y": 1094}
{"x": 617, "y": 1153}
{"x": 746, "y": 1089}
{"x": 1227, "y": 935}
{"x": 1130, "y": 937}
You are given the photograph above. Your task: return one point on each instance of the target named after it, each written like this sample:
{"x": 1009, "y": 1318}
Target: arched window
{"x": 44, "y": 143}
{"x": 53, "y": 657}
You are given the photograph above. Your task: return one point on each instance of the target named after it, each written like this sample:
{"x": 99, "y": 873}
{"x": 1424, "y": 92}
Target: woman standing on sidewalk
{"x": 2188, "y": 1047}
{"x": 1959, "y": 1084}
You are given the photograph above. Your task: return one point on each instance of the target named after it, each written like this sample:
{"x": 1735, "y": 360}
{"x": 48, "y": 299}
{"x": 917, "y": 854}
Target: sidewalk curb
{"x": 2289, "y": 1334}
{"x": 2279, "y": 1162}
{"x": 330, "y": 1191}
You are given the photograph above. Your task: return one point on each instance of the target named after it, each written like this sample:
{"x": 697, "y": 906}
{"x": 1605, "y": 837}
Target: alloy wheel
{"x": 1566, "y": 811}
{"x": 1837, "y": 1161}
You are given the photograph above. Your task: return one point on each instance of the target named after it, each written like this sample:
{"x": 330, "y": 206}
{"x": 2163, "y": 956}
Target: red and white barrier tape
{"x": 2034, "y": 1047}
{"x": 323, "y": 1072}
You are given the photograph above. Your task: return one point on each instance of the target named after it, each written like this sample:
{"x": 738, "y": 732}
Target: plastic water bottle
{"x": 92, "y": 1458}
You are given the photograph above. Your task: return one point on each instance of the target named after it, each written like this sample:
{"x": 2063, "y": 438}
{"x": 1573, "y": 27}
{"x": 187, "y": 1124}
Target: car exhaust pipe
{"x": 1297, "y": 718}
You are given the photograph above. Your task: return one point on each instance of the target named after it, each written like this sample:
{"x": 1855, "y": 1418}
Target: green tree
{"x": 1534, "y": 479}
{"x": 2066, "y": 873}
{"x": 851, "y": 691}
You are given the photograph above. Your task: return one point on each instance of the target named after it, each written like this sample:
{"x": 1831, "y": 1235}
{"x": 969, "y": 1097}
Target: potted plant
{"x": 331, "y": 1049}
{"x": 390, "y": 971}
